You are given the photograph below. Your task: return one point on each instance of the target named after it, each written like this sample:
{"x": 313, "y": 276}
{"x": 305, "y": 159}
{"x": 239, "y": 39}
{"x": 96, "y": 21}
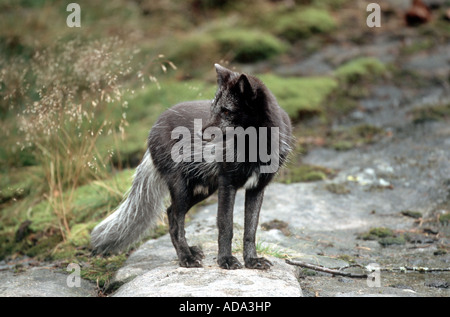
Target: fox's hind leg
{"x": 182, "y": 201}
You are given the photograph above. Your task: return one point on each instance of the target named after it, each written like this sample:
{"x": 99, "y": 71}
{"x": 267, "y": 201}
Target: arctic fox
{"x": 239, "y": 139}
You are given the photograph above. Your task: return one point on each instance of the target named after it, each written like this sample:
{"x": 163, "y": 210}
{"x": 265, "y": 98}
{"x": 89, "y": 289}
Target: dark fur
{"x": 241, "y": 101}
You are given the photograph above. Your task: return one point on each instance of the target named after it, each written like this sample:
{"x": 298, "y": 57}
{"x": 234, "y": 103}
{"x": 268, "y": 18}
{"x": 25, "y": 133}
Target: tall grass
{"x": 65, "y": 97}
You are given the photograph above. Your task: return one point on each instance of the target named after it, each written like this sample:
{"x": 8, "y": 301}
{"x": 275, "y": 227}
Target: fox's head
{"x": 239, "y": 102}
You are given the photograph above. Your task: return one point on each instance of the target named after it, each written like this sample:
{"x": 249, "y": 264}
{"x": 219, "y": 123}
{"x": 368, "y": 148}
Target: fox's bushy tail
{"x": 136, "y": 214}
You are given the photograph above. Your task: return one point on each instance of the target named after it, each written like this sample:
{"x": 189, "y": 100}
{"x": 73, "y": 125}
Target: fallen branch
{"x": 419, "y": 269}
{"x": 325, "y": 269}
{"x": 402, "y": 269}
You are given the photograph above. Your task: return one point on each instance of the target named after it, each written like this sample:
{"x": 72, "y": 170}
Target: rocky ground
{"x": 387, "y": 205}
{"x": 322, "y": 223}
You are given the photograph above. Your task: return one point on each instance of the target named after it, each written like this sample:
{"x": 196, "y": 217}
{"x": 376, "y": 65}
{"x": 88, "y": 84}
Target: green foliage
{"x": 431, "y": 113}
{"x": 444, "y": 218}
{"x": 412, "y": 214}
{"x": 236, "y": 44}
{"x": 338, "y": 189}
{"x": 376, "y": 233}
{"x": 351, "y": 137}
{"x": 18, "y": 183}
{"x": 304, "y": 173}
{"x": 384, "y": 236}
{"x": 101, "y": 270}
{"x": 363, "y": 68}
{"x": 303, "y": 23}
{"x": 300, "y": 97}
{"x": 249, "y": 45}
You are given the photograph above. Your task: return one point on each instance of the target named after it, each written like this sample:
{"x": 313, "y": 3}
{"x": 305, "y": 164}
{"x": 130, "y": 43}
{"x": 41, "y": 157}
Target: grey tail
{"x": 136, "y": 214}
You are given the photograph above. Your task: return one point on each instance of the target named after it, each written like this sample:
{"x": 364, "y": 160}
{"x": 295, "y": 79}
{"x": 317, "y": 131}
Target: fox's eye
{"x": 225, "y": 111}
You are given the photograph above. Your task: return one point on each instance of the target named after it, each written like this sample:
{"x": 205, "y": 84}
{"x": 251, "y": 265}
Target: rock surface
{"x": 42, "y": 282}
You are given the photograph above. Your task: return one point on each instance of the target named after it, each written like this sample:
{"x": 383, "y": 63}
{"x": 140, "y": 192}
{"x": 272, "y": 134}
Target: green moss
{"x": 338, "y": 189}
{"x": 303, "y": 23}
{"x": 249, "y": 45}
{"x": 304, "y": 173}
{"x": 343, "y": 145}
{"x": 159, "y": 231}
{"x": 417, "y": 46}
{"x": 347, "y": 258}
{"x": 444, "y": 218}
{"x": 377, "y": 233}
{"x": 431, "y": 113}
{"x": 384, "y": 236}
{"x": 101, "y": 270}
{"x": 363, "y": 68}
{"x": 399, "y": 240}
{"x": 412, "y": 214}
{"x": 80, "y": 234}
{"x": 43, "y": 248}
{"x": 237, "y": 44}
{"x": 351, "y": 137}
{"x": 89, "y": 204}
{"x": 301, "y": 97}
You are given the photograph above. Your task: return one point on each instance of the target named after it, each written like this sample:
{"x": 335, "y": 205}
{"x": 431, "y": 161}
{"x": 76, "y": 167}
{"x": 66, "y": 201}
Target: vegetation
{"x": 76, "y": 104}
{"x": 301, "y": 97}
{"x": 363, "y": 68}
{"x": 304, "y": 23}
{"x": 384, "y": 236}
{"x": 431, "y": 113}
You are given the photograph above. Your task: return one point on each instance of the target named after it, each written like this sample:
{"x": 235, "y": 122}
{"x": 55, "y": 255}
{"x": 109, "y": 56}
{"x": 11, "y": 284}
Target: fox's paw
{"x": 197, "y": 253}
{"x": 258, "y": 263}
{"x": 190, "y": 261}
{"x": 229, "y": 263}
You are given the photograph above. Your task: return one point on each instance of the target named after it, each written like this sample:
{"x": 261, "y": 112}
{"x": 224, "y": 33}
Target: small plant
{"x": 304, "y": 23}
{"x": 70, "y": 88}
{"x": 363, "y": 68}
{"x": 67, "y": 96}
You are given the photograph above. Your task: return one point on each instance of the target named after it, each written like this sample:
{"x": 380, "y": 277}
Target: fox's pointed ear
{"x": 244, "y": 87}
{"x": 223, "y": 74}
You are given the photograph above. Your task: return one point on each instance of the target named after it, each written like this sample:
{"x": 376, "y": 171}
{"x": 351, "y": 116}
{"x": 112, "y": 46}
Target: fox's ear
{"x": 223, "y": 74}
{"x": 243, "y": 87}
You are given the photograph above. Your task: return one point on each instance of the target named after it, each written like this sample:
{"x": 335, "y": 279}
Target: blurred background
{"x": 76, "y": 104}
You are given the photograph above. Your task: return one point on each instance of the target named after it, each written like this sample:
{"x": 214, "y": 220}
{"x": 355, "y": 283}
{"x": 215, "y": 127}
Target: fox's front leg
{"x": 253, "y": 202}
{"x": 227, "y": 194}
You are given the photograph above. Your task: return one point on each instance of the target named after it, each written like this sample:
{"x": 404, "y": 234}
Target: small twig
{"x": 326, "y": 270}
{"x": 419, "y": 269}
{"x": 402, "y": 269}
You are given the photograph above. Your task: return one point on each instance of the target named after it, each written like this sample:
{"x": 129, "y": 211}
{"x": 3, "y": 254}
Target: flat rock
{"x": 175, "y": 281}
{"x": 42, "y": 282}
